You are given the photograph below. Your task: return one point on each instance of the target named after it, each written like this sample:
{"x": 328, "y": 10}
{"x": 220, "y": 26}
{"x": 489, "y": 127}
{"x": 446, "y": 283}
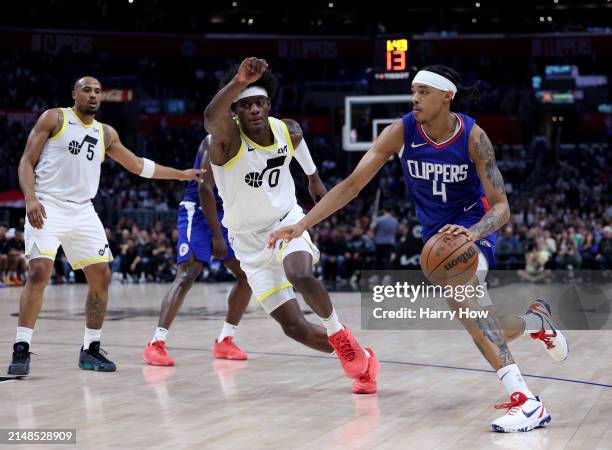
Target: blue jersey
{"x": 442, "y": 178}
{"x": 191, "y": 190}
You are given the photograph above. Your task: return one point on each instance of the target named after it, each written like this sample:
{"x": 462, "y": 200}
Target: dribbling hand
{"x": 456, "y": 230}
{"x": 36, "y": 213}
{"x": 251, "y": 70}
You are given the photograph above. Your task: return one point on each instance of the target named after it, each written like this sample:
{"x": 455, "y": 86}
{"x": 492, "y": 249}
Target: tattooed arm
{"x": 483, "y": 155}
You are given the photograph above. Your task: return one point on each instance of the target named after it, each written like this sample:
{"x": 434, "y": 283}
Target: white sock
{"x": 160, "y": 334}
{"x": 91, "y": 336}
{"x": 227, "y": 330}
{"x": 332, "y": 324}
{"x": 533, "y": 323}
{"x": 513, "y": 380}
{"x": 24, "y": 335}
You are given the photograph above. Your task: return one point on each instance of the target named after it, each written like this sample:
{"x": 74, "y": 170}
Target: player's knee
{"x": 39, "y": 274}
{"x": 186, "y": 277}
{"x": 105, "y": 275}
{"x": 300, "y": 279}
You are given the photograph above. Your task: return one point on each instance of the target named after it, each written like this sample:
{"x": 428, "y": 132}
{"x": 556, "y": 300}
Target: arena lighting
{"x": 474, "y": 20}
{"x": 234, "y": 4}
{"x": 330, "y": 4}
{"x": 477, "y": 5}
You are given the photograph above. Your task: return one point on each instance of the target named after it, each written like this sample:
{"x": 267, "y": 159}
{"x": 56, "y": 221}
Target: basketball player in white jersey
{"x": 250, "y": 155}
{"x": 59, "y": 174}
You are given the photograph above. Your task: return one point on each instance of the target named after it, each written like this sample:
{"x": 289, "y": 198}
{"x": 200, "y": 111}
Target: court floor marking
{"x": 405, "y": 363}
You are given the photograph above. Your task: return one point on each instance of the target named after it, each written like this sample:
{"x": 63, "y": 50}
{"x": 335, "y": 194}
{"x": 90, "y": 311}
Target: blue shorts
{"x": 195, "y": 236}
{"x": 485, "y": 245}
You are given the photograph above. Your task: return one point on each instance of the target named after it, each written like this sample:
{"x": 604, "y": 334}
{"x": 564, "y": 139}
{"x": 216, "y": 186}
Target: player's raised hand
{"x": 286, "y": 234}
{"x": 192, "y": 175}
{"x": 251, "y": 70}
{"x": 36, "y": 213}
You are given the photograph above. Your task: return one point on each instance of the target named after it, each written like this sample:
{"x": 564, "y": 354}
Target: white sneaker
{"x": 524, "y": 414}
{"x": 552, "y": 339}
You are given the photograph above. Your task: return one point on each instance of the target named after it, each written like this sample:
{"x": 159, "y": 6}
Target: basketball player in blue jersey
{"x": 201, "y": 238}
{"x": 250, "y": 154}
{"x": 450, "y": 170}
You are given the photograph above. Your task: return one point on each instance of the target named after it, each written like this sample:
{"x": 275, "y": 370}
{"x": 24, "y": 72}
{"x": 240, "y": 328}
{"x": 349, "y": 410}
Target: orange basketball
{"x": 449, "y": 260}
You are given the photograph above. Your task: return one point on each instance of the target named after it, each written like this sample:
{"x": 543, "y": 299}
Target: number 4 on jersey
{"x": 441, "y": 192}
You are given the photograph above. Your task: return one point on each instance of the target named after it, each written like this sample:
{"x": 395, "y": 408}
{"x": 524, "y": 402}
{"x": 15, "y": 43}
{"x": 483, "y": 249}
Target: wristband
{"x": 148, "y": 168}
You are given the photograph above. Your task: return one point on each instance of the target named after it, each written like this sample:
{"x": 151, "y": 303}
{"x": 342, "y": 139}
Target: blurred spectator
{"x": 535, "y": 264}
{"x": 385, "y": 228}
{"x": 568, "y": 258}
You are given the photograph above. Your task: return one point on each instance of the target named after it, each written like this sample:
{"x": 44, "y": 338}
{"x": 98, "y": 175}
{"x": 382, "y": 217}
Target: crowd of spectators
{"x": 559, "y": 197}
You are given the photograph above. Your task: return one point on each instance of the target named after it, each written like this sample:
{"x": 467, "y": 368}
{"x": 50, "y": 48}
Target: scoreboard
{"x": 391, "y": 59}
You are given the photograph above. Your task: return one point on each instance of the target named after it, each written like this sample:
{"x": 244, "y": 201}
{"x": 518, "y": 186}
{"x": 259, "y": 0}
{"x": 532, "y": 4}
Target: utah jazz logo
{"x": 255, "y": 179}
{"x": 75, "y": 148}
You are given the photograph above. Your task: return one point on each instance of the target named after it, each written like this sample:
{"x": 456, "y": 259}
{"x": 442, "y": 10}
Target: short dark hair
{"x": 268, "y": 81}
{"x": 468, "y": 94}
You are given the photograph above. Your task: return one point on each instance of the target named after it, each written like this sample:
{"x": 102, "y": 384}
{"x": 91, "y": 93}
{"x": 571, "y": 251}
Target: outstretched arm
{"x": 389, "y": 142}
{"x": 142, "y": 166}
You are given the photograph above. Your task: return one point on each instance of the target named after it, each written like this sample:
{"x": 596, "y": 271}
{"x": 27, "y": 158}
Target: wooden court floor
{"x": 435, "y": 390}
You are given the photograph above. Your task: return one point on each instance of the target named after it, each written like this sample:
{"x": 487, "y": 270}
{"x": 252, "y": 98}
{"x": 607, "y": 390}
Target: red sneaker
{"x": 156, "y": 354}
{"x": 350, "y": 353}
{"x": 226, "y": 349}
{"x": 366, "y": 383}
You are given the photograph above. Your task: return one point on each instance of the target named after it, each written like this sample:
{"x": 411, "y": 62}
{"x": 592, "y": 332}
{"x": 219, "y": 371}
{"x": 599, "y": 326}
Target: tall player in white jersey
{"x": 250, "y": 155}
{"x": 59, "y": 174}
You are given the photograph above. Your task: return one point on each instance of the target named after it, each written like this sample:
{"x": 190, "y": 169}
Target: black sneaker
{"x": 20, "y": 365}
{"x": 93, "y": 359}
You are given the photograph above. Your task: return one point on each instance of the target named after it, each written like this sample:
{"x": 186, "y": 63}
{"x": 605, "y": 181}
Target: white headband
{"x": 251, "y": 92}
{"x": 434, "y": 80}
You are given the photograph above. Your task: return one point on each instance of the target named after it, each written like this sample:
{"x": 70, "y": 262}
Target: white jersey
{"x": 256, "y": 185}
{"x": 69, "y": 165}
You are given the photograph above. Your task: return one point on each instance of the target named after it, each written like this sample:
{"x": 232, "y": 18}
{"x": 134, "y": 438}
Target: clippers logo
{"x": 273, "y": 165}
{"x": 485, "y": 243}
{"x": 462, "y": 258}
{"x": 183, "y": 249}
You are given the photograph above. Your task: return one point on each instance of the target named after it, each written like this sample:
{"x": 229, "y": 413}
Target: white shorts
{"x": 74, "y": 226}
{"x": 264, "y": 267}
